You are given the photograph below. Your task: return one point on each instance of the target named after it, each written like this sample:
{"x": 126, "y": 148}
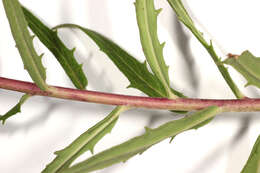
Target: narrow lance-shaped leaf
{"x": 253, "y": 162}
{"x": 32, "y": 62}
{"x": 184, "y": 17}
{"x": 153, "y": 49}
{"x": 247, "y": 65}
{"x": 84, "y": 142}
{"x": 64, "y": 55}
{"x": 16, "y": 109}
{"x": 128, "y": 149}
{"x": 135, "y": 71}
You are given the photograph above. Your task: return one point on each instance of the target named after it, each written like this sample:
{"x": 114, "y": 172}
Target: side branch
{"x": 187, "y": 104}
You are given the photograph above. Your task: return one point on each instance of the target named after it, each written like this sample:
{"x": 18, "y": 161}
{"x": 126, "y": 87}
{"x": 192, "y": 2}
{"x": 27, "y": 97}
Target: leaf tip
{"x": 171, "y": 139}
{"x": 130, "y": 86}
{"x": 162, "y": 45}
{"x": 58, "y": 152}
{"x": 147, "y": 129}
{"x": 32, "y": 37}
{"x": 2, "y": 119}
{"x": 73, "y": 49}
{"x": 158, "y": 11}
{"x": 41, "y": 55}
{"x": 92, "y": 150}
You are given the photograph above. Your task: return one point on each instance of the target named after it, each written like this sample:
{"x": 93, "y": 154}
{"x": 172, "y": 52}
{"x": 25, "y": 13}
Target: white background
{"x": 28, "y": 140}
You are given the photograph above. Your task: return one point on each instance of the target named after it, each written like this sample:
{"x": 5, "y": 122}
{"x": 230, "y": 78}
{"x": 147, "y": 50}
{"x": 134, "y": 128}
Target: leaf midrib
{"x": 24, "y": 35}
{"x": 164, "y": 81}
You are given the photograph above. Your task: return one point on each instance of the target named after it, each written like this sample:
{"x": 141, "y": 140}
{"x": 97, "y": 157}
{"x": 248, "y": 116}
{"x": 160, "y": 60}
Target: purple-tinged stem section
{"x": 234, "y": 105}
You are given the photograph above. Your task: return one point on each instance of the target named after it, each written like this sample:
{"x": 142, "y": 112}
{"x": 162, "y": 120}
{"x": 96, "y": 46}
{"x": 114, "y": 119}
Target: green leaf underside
{"x": 64, "y": 55}
{"x": 152, "y": 48}
{"x": 16, "y": 109}
{"x": 128, "y": 149}
{"x": 84, "y": 142}
{"x": 184, "y": 17}
{"x": 253, "y": 162}
{"x": 32, "y": 62}
{"x": 135, "y": 71}
{"x": 247, "y": 65}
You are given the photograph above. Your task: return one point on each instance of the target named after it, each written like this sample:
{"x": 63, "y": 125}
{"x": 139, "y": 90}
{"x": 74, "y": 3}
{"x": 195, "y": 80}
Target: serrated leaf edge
{"x": 24, "y": 43}
{"x": 88, "y": 32}
{"x": 84, "y": 140}
{"x": 152, "y": 48}
{"x": 61, "y": 52}
{"x": 139, "y": 144}
{"x": 14, "y": 110}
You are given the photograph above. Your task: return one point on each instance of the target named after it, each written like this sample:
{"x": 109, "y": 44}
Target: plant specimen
{"x": 155, "y": 83}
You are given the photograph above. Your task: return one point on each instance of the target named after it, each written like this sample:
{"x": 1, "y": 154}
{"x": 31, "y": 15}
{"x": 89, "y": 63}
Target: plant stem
{"x": 222, "y": 69}
{"x": 186, "y": 104}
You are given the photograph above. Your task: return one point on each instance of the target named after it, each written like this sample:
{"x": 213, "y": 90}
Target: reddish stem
{"x": 237, "y": 105}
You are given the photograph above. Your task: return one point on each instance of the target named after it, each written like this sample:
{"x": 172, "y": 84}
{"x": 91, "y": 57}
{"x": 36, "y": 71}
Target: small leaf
{"x": 32, "y": 62}
{"x": 247, "y": 65}
{"x": 64, "y": 55}
{"x": 84, "y": 142}
{"x": 253, "y": 162}
{"x": 135, "y": 71}
{"x": 128, "y": 149}
{"x": 153, "y": 49}
{"x": 16, "y": 109}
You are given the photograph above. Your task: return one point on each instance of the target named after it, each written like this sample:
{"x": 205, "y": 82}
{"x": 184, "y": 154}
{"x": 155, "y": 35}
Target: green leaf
{"x": 128, "y": 149}
{"x": 153, "y": 49}
{"x": 184, "y": 17}
{"x": 247, "y": 65}
{"x": 32, "y": 62}
{"x": 84, "y": 142}
{"x": 135, "y": 71}
{"x": 253, "y": 162}
{"x": 64, "y": 55}
{"x": 16, "y": 109}
{"x": 202, "y": 123}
